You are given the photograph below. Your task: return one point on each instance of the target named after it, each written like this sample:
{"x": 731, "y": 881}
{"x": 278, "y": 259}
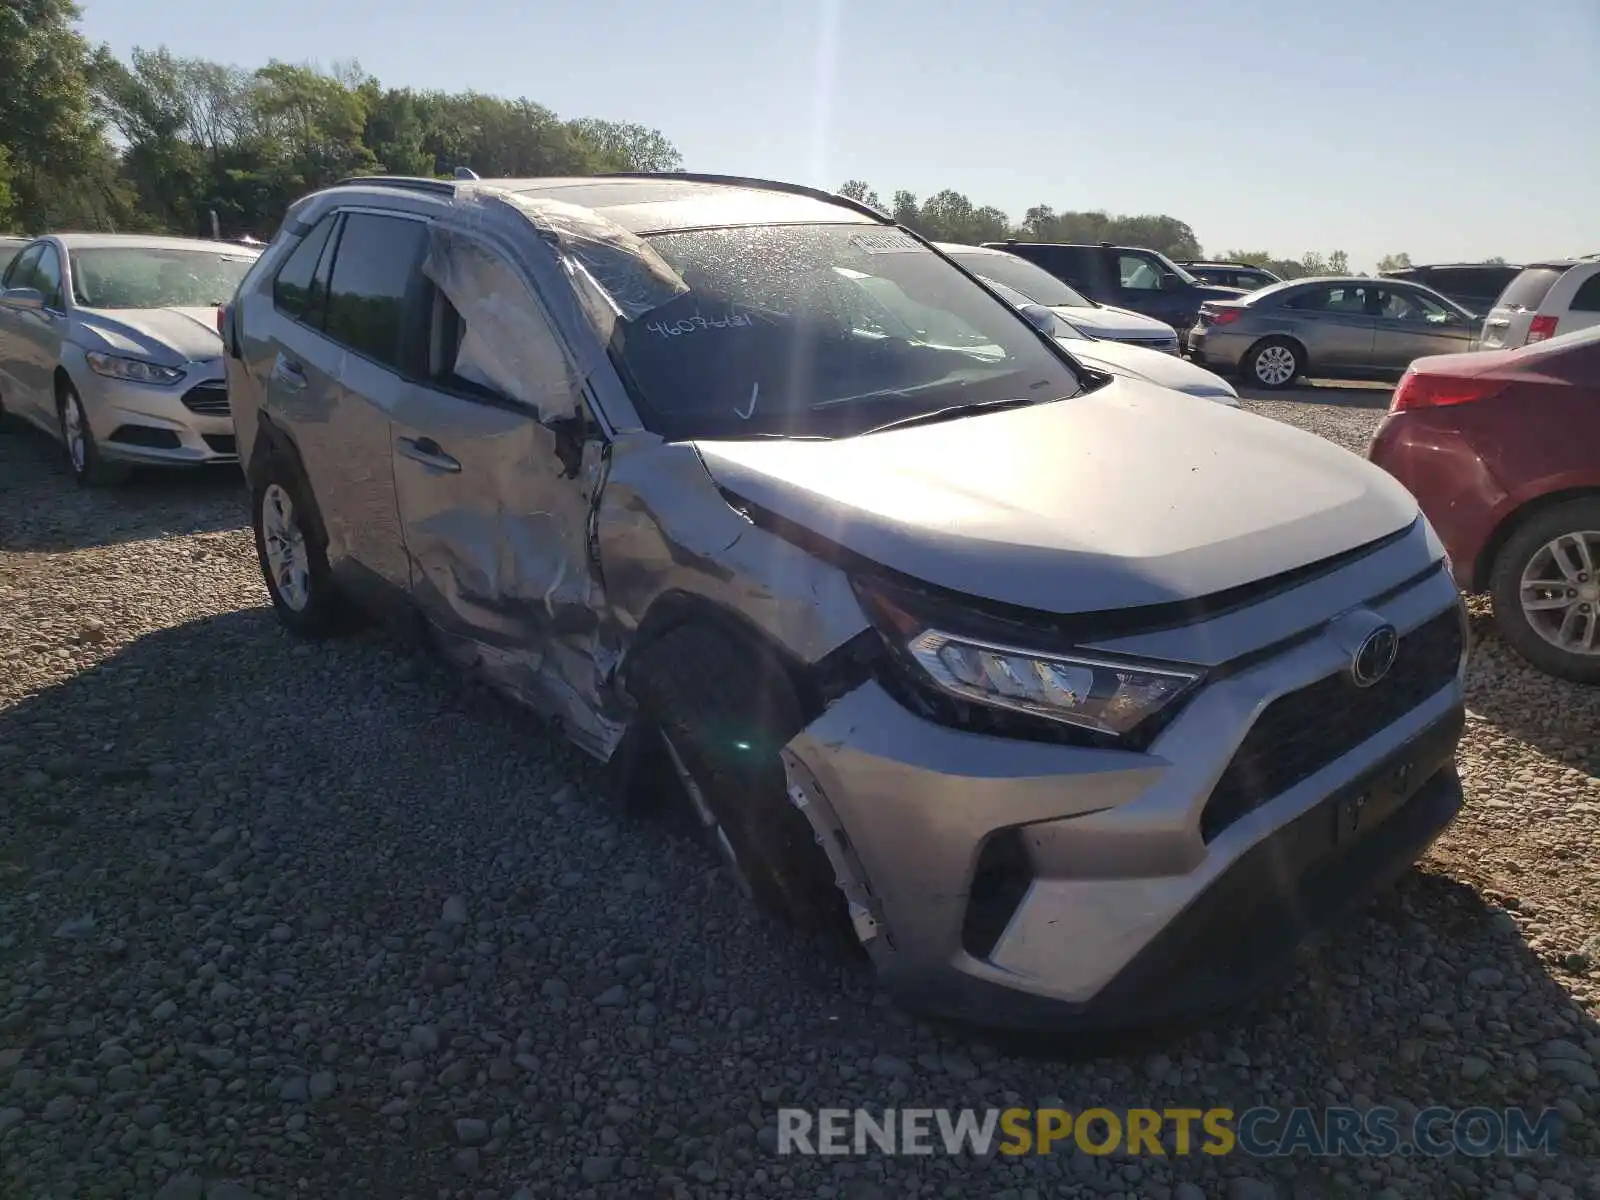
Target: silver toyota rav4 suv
{"x": 1077, "y": 702}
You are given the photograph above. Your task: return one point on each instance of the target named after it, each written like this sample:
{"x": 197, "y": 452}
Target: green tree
{"x": 48, "y": 125}
{"x": 6, "y": 203}
{"x": 625, "y": 146}
{"x": 859, "y": 191}
{"x": 1394, "y": 262}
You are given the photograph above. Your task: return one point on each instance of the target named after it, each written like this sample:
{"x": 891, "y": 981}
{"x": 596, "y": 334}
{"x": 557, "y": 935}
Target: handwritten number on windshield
{"x": 672, "y": 329}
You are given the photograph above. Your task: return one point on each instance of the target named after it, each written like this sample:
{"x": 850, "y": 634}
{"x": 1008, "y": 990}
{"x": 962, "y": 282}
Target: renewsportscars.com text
{"x": 1256, "y": 1132}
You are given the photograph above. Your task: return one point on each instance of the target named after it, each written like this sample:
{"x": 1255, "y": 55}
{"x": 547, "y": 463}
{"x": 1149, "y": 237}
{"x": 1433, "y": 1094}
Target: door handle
{"x": 289, "y": 373}
{"x": 428, "y": 452}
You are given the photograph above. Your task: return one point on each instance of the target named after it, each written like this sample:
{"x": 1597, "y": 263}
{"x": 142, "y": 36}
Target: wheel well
{"x": 676, "y": 610}
{"x": 1514, "y": 520}
{"x": 62, "y": 382}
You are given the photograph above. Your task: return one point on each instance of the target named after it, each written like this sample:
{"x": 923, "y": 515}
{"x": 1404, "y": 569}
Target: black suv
{"x": 1474, "y": 286}
{"x": 1230, "y": 274}
{"x": 1126, "y": 277}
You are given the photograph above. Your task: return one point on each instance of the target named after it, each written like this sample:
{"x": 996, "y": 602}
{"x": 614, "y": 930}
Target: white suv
{"x": 1547, "y": 298}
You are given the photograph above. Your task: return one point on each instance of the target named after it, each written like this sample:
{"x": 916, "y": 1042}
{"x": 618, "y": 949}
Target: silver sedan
{"x": 109, "y": 342}
{"x": 1332, "y": 327}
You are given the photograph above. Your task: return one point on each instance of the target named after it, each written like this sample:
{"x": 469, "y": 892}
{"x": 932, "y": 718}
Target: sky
{"x": 1448, "y": 129}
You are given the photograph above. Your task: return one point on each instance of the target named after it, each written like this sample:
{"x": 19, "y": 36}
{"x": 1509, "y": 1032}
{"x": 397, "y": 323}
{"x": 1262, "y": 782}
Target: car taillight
{"x": 1225, "y": 316}
{"x": 1439, "y": 391}
{"x": 1542, "y": 328}
{"x": 222, "y": 316}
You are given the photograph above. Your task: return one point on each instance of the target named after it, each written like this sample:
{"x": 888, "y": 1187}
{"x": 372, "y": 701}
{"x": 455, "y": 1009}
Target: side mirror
{"x": 1171, "y": 283}
{"x": 1040, "y": 317}
{"x": 23, "y": 297}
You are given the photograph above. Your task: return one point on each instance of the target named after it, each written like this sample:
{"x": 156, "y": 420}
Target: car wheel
{"x": 1274, "y": 363}
{"x": 1546, "y": 588}
{"x": 721, "y": 714}
{"x": 83, "y": 452}
{"x": 293, "y": 560}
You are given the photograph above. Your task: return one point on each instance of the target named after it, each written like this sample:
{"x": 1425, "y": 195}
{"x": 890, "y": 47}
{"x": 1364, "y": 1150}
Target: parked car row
{"x": 1036, "y": 678}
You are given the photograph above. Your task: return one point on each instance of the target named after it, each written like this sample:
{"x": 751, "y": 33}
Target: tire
{"x": 1273, "y": 356}
{"x": 722, "y": 711}
{"x": 1526, "y": 555}
{"x": 87, "y": 467}
{"x": 293, "y": 557}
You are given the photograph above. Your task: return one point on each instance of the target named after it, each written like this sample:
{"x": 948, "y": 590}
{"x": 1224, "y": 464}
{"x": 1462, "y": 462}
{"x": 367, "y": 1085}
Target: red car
{"x": 1502, "y": 450}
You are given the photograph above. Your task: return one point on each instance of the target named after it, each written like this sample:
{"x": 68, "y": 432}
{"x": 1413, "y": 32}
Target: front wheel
{"x": 1274, "y": 363}
{"x": 83, "y": 452}
{"x": 1546, "y": 588}
{"x": 722, "y": 713}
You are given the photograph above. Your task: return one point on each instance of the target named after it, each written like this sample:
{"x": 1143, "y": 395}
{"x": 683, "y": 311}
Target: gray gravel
{"x": 280, "y": 921}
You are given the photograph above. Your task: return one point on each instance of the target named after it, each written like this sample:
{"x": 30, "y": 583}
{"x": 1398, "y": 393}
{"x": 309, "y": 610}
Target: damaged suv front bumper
{"x": 1046, "y": 885}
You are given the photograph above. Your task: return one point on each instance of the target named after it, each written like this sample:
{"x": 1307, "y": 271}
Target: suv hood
{"x": 1130, "y": 495}
{"x": 169, "y": 336}
{"x": 1116, "y": 324}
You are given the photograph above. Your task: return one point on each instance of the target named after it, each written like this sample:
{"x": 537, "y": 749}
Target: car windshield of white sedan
{"x": 155, "y": 277}
{"x": 1032, "y": 281}
{"x": 822, "y": 330}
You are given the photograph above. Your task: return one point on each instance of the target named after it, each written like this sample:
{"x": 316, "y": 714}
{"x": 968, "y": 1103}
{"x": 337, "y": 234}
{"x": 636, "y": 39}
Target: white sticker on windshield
{"x": 672, "y": 329}
{"x": 887, "y": 241}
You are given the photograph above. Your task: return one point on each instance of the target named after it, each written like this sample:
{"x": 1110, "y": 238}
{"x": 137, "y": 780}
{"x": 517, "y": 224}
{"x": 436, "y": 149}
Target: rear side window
{"x": 1529, "y": 289}
{"x": 292, "y": 290}
{"x": 1587, "y": 297}
{"x": 373, "y": 269}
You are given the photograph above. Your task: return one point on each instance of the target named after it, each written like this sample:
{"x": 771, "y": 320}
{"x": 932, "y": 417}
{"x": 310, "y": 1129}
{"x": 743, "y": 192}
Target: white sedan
{"x": 109, "y": 342}
{"x": 1099, "y": 321}
{"x": 1119, "y": 358}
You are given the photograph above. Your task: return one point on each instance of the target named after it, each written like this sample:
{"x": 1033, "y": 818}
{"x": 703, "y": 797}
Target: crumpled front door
{"x": 496, "y": 514}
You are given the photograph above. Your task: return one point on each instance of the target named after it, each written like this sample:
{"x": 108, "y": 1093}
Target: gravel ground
{"x": 281, "y": 921}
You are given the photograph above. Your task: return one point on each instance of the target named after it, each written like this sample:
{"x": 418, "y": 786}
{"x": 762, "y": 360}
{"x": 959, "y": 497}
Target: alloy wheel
{"x": 285, "y": 548}
{"x": 1275, "y": 365}
{"x": 1560, "y": 592}
{"x": 74, "y": 431}
{"x": 708, "y": 819}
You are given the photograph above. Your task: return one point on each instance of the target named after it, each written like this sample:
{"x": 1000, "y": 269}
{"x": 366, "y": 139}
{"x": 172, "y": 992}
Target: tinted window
{"x": 373, "y": 267}
{"x": 291, "y": 290}
{"x": 1138, "y": 273}
{"x": 1529, "y": 289}
{"x": 20, "y": 273}
{"x": 1397, "y": 305}
{"x": 1032, "y": 280}
{"x": 822, "y": 329}
{"x": 1346, "y": 301}
{"x": 1587, "y": 297}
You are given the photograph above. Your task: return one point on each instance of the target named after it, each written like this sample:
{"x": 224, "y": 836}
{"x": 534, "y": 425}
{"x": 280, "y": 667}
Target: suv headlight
{"x": 134, "y": 370}
{"x": 1088, "y": 691}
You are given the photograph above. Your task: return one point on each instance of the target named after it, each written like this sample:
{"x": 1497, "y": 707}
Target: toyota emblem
{"x": 1375, "y": 655}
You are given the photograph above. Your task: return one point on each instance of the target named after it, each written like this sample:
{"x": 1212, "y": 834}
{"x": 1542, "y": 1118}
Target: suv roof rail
{"x": 747, "y": 181}
{"x": 420, "y": 183}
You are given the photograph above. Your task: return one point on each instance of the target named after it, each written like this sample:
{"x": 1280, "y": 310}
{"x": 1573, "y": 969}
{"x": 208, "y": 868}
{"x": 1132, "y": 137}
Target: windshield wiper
{"x": 952, "y": 412}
